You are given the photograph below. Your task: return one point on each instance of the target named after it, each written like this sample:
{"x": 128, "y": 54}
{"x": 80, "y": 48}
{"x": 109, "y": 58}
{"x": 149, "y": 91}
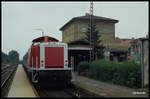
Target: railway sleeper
{"x": 7, "y": 84}
{"x": 80, "y": 92}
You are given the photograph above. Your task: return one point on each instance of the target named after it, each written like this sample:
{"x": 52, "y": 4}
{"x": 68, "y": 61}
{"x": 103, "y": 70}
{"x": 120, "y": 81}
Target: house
{"x": 75, "y": 29}
{"x": 117, "y": 50}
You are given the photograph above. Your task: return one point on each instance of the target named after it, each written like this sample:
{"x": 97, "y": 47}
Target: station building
{"x": 118, "y": 49}
{"x": 75, "y": 29}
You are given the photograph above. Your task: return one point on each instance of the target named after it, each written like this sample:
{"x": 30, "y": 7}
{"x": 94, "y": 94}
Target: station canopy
{"x": 83, "y": 43}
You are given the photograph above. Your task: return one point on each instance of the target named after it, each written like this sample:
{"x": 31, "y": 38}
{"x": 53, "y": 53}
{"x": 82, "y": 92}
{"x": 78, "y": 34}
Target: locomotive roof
{"x": 42, "y": 39}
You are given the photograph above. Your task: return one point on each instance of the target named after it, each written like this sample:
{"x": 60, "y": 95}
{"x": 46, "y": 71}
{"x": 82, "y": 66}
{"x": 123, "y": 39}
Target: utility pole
{"x": 91, "y": 14}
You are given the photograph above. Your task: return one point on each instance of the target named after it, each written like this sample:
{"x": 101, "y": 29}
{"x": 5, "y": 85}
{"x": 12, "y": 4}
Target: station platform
{"x": 21, "y": 87}
{"x": 106, "y": 89}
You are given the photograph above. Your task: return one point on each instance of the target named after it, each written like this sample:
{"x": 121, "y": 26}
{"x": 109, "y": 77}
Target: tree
{"x": 95, "y": 38}
{"x": 100, "y": 53}
{"x": 5, "y": 58}
{"x": 13, "y": 56}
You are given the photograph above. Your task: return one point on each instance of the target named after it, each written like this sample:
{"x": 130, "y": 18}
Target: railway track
{"x": 7, "y": 75}
{"x": 53, "y": 92}
{"x": 71, "y": 91}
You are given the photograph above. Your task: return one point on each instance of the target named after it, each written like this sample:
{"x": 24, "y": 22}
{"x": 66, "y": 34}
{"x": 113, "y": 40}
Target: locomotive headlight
{"x": 42, "y": 61}
{"x": 66, "y": 61}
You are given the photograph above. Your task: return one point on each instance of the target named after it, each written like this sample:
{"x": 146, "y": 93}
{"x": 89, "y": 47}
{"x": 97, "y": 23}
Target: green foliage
{"x": 95, "y": 37}
{"x": 100, "y": 53}
{"x": 11, "y": 58}
{"x": 82, "y": 67}
{"x": 122, "y": 73}
{"x": 14, "y": 56}
{"x": 5, "y": 58}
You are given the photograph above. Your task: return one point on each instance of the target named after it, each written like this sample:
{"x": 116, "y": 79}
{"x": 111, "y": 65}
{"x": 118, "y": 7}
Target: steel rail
{"x": 6, "y": 74}
{"x": 7, "y": 77}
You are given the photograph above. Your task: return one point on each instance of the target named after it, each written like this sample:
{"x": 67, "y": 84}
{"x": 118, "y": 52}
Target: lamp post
{"x": 41, "y": 30}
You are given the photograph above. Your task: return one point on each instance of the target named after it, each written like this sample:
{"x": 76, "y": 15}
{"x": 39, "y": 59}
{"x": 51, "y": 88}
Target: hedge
{"x": 122, "y": 73}
{"x": 82, "y": 67}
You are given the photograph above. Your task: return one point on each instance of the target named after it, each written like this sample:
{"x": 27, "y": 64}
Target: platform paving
{"x": 21, "y": 86}
{"x": 107, "y": 89}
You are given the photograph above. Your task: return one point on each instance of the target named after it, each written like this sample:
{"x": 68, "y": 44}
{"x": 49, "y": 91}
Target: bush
{"x": 122, "y": 73}
{"x": 82, "y": 67}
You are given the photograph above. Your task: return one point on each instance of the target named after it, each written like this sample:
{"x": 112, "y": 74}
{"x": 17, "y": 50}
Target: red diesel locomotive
{"x": 47, "y": 59}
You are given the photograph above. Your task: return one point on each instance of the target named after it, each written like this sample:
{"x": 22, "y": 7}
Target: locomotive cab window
{"x": 36, "y": 43}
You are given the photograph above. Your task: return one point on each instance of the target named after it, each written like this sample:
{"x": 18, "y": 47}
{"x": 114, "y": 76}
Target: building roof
{"x": 117, "y": 38}
{"x": 119, "y": 44}
{"x": 143, "y": 39}
{"x": 87, "y": 17}
{"x": 122, "y": 40}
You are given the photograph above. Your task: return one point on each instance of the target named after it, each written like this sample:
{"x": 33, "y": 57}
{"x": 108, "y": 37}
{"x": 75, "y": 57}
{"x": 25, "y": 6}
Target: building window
{"x": 83, "y": 29}
{"x": 107, "y": 40}
{"x": 106, "y": 30}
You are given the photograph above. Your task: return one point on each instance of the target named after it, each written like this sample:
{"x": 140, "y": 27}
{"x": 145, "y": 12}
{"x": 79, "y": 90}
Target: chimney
{"x": 117, "y": 38}
{"x": 87, "y": 14}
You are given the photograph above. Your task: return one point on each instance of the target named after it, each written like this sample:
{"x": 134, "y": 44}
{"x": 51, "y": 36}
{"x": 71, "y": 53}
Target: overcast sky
{"x": 20, "y": 19}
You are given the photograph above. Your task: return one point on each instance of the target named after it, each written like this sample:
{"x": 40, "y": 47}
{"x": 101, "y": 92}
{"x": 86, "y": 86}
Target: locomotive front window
{"x": 36, "y": 43}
